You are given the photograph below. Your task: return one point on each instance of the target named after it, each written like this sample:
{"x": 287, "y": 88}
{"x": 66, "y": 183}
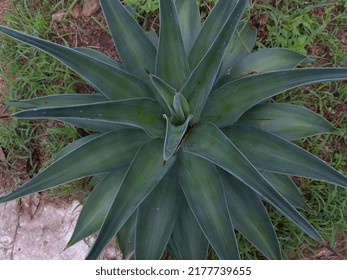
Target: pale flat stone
{"x": 39, "y": 231}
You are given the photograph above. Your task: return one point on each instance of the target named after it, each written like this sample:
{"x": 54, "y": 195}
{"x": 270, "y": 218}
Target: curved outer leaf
{"x": 200, "y": 83}
{"x": 240, "y": 46}
{"x": 287, "y": 188}
{"x": 100, "y": 56}
{"x": 97, "y": 205}
{"x": 107, "y": 152}
{"x": 190, "y": 22}
{"x": 153, "y": 37}
{"x": 204, "y": 192}
{"x": 229, "y": 102}
{"x": 126, "y": 237}
{"x": 135, "y": 49}
{"x": 156, "y": 218}
{"x": 93, "y": 125}
{"x": 110, "y": 81}
{"x": 58, "y": 100}
{"x": 173, "y": 137}
{"x": 141, "y": 113}
{"x": 285, "y": 120}
{"x": 144, "y": 173}
{"x": 271, "y": 153}
{"x": 210, "y": 30}
{"x": 250, "y": 217}
{"x": 75, "y": 145}
{"x": 187, "y": 242}
{"x": 265, "y": 61}
{"x": 208, "y": 142}
{"x": 172, "y": 63}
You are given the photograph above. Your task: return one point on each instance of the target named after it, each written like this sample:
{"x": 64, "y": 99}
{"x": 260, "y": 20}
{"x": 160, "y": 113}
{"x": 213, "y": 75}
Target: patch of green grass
{"x": 317, "y": 30}
{"x": 29, "y": 73}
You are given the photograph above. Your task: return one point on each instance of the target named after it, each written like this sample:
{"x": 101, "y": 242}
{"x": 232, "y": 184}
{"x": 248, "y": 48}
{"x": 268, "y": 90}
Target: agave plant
{"x": 185, "y": 147}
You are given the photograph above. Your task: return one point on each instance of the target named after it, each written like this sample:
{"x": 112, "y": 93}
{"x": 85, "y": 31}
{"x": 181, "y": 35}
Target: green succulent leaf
{"x": 100, "y": 56}
{"x": 265, "y": 61}
{"x": 145, "y": 172}
{"x": 163, "y": 92}
{"x": 156, "y": 218}
{"x": 285, "y": 120}
{"x": 174, "y": 136}
{"x": 230, "y": 101}
{"x": 57, "y": 100}
{"x": 208, "y": 142}
{"x": 190, "y": 22}
{"x": 75, "y": 145}
{"x": 126, "y": 237}
{"x": 97, "y": 205}
{"x": 172, "y": 63}
{"x": 250, "y": 217}
{"x": 203, "y": 189}
{"x": 240, "y": 46}
{"x": 287, "y": 188}
{"x": 271, "y": 153}
{"x": 135, "y": 49}
{"x": 112, "y": 82}
{"x": 187, "y": 242}
{"x": 211, "y": 28}
{"x": 102, "y": 154}
{"x": 153, "y": 37}
{"x": 199, "y": 85}
{"x": 140, "y": 112}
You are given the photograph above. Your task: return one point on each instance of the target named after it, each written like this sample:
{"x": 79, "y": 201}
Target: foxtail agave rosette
{"x": 186, "y": 147}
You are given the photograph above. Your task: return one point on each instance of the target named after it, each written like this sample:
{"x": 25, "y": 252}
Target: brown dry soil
{"x": 95, "y": 37}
